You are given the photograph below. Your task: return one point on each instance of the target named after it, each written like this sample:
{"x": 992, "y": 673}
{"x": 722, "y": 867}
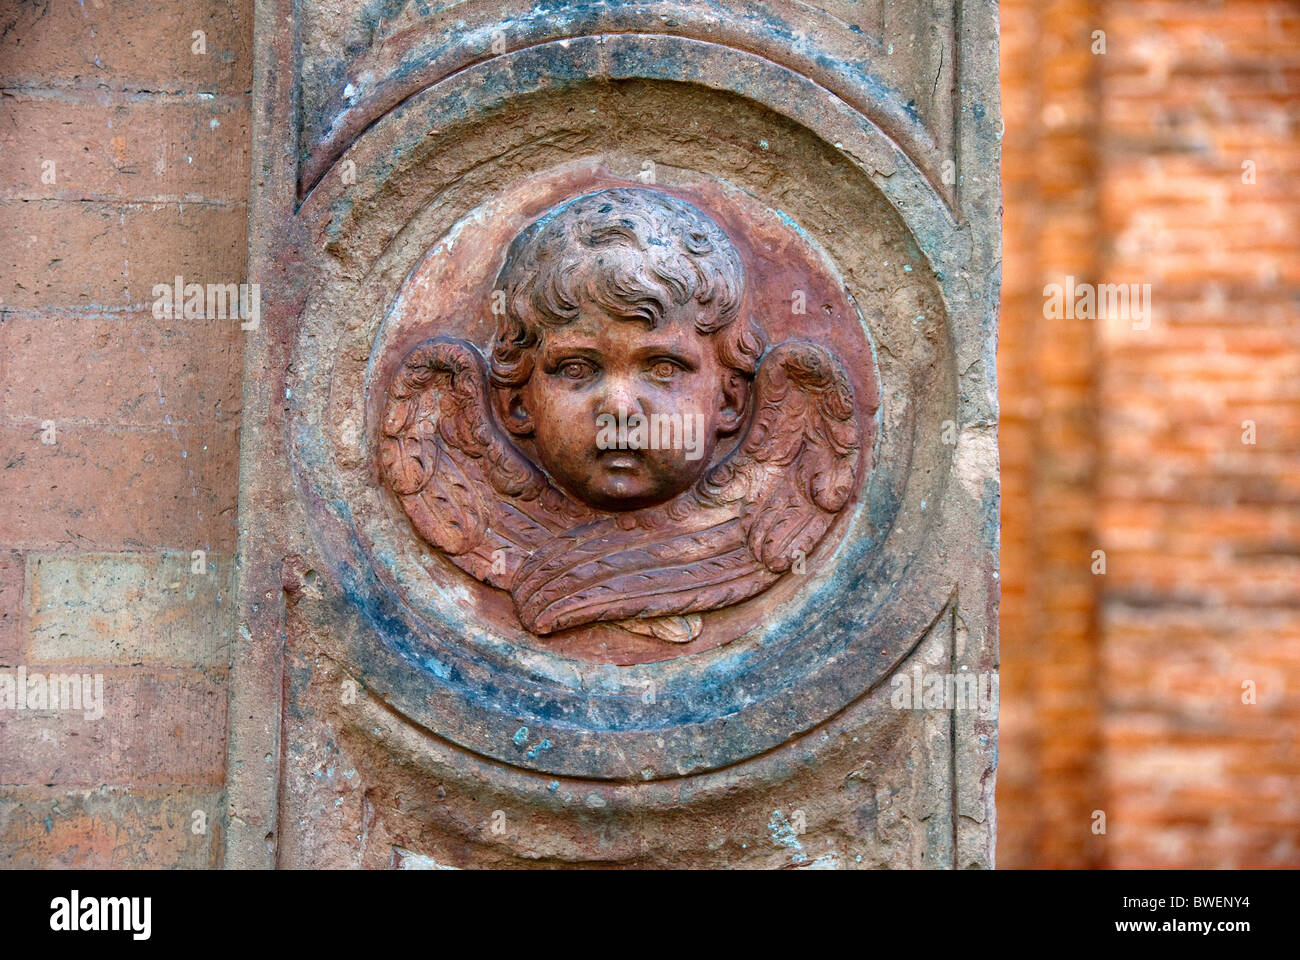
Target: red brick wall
{"x": 125, "y": 163}
{"x": 1123, "y": 691}
{"x": 1048, "y": 438}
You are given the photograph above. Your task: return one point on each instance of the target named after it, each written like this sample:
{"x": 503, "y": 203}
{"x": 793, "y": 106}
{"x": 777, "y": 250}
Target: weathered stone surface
{"x": 427, "y": 559}
{"x": 168, "y": 486}
{"x": 188, "y": 165}
{"x": 128, "y": 369}
{"x": 82, "y": 264}
{"x": 129, "y": 45}
{"x": 112, "y": 608}
{"x": 156, "y": 728}
{"x": 110, "y": 828}
{"x": 12, "y": 635}
{"x": 867, "y": 790}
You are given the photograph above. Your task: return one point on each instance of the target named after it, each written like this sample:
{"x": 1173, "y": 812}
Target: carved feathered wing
{"x": 744, "y": 525}
{"x": 465, "y": 487}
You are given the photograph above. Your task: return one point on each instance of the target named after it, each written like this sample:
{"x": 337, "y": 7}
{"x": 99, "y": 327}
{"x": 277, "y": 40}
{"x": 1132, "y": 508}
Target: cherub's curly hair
{"x": 632, "y": 252}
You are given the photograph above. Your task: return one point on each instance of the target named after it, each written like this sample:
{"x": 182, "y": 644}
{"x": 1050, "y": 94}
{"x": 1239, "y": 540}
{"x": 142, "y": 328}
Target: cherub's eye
{"x": 574, "y": 370}
{"x": 664, "y": 370}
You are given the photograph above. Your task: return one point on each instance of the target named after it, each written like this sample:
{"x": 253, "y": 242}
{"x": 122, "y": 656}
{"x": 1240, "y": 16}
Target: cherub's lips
{"x": 619, "y": 459}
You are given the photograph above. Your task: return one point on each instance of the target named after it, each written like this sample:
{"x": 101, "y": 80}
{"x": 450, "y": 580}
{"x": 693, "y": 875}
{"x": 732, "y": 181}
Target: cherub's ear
{"x": 735, "y": 400}
{"x": 509, "y": 405}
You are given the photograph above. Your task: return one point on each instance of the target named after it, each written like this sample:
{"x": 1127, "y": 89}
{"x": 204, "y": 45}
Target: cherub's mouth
{"x": 620, "y": 459}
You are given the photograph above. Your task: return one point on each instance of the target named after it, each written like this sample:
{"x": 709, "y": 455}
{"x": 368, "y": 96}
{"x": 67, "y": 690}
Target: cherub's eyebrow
{"x": 553, "y": 353}
{"x": 673, "y": 349}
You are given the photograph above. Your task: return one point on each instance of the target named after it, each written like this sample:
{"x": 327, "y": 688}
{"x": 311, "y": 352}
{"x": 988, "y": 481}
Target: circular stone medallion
{"x": 521, "y": 566}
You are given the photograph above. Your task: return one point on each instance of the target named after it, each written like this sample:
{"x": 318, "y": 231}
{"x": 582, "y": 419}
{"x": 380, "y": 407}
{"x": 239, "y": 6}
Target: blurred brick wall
{"x": 125, "y": 163}
{"x": 1123, "y": 692}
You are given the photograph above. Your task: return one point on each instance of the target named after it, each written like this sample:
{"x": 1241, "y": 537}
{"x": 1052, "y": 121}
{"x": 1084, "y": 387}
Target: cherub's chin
{"x": 619, "y": 491}
{"x": 624, "y": 489}
{"x": 621, "y": 481}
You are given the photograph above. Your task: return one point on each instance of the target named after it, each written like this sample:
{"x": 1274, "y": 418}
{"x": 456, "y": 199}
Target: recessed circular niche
{"x": 415, "y": 254}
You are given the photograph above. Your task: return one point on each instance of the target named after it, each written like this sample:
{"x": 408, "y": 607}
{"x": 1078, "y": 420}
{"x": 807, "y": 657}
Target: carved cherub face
{"x": 622, "y": 353}
{"x": 624, "y": 414}
{"x": 621, "y": 350}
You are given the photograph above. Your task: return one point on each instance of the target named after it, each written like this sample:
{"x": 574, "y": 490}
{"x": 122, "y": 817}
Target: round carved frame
{"x": 762, "y": 129}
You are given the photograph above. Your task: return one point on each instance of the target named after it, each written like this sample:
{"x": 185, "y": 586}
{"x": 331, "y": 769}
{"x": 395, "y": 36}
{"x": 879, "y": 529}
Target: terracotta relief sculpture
{"x": 631, "y": 450}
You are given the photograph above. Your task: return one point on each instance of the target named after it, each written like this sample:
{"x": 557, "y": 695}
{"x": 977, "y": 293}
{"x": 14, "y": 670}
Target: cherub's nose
{"x": 619, "y": 398}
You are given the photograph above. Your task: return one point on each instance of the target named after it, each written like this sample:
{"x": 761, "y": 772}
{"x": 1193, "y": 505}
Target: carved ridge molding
{"x": 864, "y": 92}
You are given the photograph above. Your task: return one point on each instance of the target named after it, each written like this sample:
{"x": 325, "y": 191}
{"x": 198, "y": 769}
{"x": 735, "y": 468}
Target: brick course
{"x": 149, "y": 146}
{"x": 1139, "y": 677}
{"x": 1121, "y": 692}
